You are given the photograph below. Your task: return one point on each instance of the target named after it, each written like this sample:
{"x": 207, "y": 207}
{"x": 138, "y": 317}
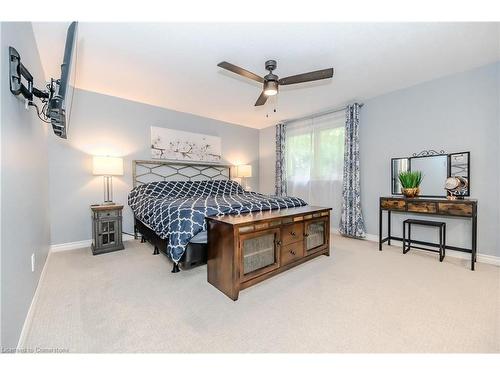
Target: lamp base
{"x": 108, "y": 203}
{"x": 108, "y": 191}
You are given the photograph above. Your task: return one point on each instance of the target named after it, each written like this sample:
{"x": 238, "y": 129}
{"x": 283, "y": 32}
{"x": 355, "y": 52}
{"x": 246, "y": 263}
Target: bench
{"x": 407, "y": 243}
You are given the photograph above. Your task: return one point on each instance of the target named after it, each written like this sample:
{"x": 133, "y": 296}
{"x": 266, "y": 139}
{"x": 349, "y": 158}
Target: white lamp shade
{"x": 244, "y": 171}
{"x": 107, "y": 166}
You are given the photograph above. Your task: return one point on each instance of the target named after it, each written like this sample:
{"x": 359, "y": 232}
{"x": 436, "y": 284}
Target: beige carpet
{"x": 357, "y": 300}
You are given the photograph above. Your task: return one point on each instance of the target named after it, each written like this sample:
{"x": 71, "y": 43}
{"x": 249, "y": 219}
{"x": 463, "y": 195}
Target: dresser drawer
{"x": 429, "y": 207}
{"x": 456, "y": 209}
{"x": 108, "y": 213}
{"x": 292, "y": 233}
{"x": 393, "y": 204}
{"x": 291, "y": 253}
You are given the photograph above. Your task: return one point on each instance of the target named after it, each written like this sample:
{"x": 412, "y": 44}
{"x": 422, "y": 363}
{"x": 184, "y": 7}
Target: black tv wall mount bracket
{"x": 17, "y": 71}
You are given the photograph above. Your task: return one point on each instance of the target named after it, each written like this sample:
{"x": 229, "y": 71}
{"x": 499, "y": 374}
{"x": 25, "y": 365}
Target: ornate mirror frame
{"x": 433, "y": 153}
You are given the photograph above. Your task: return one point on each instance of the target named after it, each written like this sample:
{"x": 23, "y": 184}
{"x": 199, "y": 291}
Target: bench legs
{"x": 406, "y": 249}
{"x": 442, "y": 240}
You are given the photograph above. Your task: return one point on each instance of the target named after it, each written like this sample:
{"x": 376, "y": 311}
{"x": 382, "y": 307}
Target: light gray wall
{"x": 267, "y": 162}
{"x": 106, "y": 125}
{"x": 455, "y": 113}
{"x": 24, "y": 175}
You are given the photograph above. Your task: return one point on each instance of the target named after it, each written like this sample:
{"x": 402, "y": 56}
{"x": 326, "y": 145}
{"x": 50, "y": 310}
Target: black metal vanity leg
{"x": 389, "y": 227}
{"x": 474, "y": 242}
{"x": 135, "y": 232}
{"x": 409, "y": 237}
{"x": 380, "y": 229}
{"x": 444, "y": 240}
{"x": 404, "y": 237}
{"x": 175, "y": 269}
{"x": 441, "y": 243}
{"x": 157, "y": 251}
{"x": 143, "y": 239}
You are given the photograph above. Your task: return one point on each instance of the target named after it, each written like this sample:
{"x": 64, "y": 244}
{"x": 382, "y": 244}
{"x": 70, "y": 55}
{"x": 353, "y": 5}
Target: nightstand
{"x": 106, "y": 228}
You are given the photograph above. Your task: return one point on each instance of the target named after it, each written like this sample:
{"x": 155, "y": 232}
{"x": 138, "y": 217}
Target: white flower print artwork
{"x": 180, "y": 145}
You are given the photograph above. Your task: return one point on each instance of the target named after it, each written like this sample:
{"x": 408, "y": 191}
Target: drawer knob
{"x": 292, "y": 252}
{"x": 293, "y": 233}
{"x": 278, "y": 243}
{"x": 306, "y": 234}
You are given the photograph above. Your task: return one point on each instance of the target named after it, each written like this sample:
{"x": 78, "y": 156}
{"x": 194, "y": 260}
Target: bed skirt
{"x": 195, "y": 254}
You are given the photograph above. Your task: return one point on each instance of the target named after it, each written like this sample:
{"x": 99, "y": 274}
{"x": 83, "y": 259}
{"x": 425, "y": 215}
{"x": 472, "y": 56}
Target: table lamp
{"x": 107, "y": 167}
{"x": 244, "y": 171}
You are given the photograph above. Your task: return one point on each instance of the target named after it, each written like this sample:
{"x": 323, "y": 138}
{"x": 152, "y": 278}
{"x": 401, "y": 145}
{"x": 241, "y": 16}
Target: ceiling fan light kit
{"x": 271, "y": 81}
{"x": 270, "y": 88}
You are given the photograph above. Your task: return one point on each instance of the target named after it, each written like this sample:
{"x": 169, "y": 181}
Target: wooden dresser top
{"x": 424, "y": 199}
{"x": 106, "y": 207}
{"x": 267, "y": 215}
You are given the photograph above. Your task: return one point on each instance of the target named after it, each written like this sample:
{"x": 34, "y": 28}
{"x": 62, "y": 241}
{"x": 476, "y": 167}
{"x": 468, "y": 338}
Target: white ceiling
{"x": 174, "y": 65}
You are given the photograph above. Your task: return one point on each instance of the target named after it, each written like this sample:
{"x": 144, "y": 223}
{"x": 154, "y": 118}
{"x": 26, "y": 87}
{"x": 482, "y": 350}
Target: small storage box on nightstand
{"x": 106, "y": 228}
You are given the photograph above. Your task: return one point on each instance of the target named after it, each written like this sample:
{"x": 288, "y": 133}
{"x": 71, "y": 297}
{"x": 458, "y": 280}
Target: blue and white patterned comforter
{"x": 176, "y": 210}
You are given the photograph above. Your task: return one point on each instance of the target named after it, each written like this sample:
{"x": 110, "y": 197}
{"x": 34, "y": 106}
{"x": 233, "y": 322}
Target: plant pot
{"x": 410, "y": 192}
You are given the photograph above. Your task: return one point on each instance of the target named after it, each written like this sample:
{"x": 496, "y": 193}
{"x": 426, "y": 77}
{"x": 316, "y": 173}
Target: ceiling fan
{"x": 272, "y": 82}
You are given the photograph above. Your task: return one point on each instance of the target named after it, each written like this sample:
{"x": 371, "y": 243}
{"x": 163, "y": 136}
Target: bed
{"x": 170, "y": 201}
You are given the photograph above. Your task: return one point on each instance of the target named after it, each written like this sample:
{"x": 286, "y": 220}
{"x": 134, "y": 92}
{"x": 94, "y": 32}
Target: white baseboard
{"x": 372, "y": 237}
{"x": 481, "y": 258}
{"x": 70, "y": 246}
{"x": 31, "y": 310}
{"x": 79, "y": 244}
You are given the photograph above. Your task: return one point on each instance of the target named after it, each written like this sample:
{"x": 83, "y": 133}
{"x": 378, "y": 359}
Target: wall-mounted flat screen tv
{"x": 59, "y": 107}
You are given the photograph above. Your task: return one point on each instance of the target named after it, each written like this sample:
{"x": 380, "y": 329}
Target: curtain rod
{"x": 312, "y": 115}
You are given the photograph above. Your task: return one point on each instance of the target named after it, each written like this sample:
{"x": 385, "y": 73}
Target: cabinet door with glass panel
{"x": 316, "y": 233}
{"x": 259, "y": 253}
{"x": 107, "y": 233}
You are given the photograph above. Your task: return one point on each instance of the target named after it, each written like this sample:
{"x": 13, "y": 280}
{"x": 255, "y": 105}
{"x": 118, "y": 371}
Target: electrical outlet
{"x": 33, "y": 262}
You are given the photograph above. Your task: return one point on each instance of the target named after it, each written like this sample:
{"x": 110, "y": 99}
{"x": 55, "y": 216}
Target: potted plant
{"x": 410, "y": 183}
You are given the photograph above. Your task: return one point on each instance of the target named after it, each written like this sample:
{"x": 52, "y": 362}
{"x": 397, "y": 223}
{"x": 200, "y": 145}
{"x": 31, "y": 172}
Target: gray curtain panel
{"x": 280, "y": 179}
{"x": 351, "y": 220}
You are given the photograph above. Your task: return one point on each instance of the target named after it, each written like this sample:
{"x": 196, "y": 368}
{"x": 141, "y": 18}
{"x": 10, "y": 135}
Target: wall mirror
{"x": 436, "y": 167}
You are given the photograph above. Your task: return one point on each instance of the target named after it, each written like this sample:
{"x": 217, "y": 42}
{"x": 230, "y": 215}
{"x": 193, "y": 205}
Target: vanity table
{"x": 435, "y": 166}
{"x": 464, "y": 208}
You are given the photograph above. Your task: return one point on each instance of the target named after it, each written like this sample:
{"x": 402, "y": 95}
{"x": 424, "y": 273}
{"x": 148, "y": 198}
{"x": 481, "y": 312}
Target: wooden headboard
{"x": 145, "y": 171}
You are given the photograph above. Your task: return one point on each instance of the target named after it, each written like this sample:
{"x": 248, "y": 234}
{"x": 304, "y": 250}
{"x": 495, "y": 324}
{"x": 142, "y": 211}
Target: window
{"x": 315, "y": 160}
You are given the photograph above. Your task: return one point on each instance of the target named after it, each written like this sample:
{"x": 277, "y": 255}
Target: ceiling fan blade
{"x": 307, "y": 77}
{"x": 240, "y": 71}
{"x": 261, "y": 100}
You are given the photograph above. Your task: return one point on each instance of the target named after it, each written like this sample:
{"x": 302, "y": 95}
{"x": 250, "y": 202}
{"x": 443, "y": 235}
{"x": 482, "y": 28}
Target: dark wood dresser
{"x": 464, "y": 208}
{"x": 246, "y": 249}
